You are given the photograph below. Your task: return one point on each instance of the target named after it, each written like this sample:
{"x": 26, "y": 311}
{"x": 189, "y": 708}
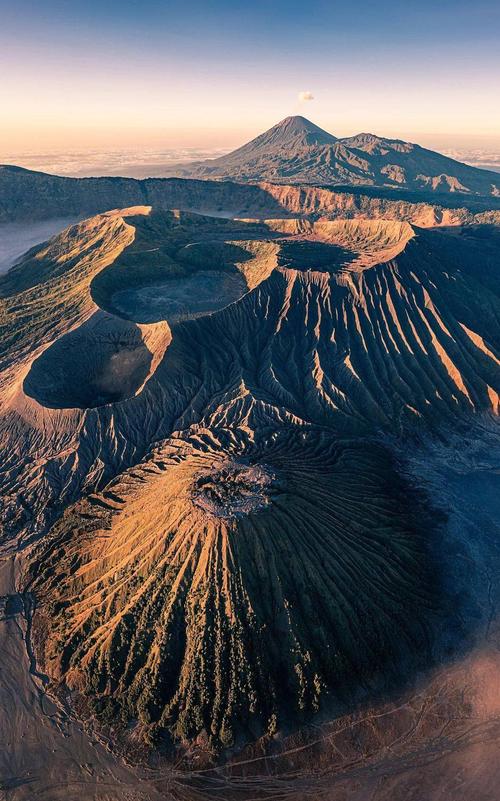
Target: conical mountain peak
{"x": 295, "y": 150}
{"x": 297, "y": 126}
{"x": 292, "y": 132}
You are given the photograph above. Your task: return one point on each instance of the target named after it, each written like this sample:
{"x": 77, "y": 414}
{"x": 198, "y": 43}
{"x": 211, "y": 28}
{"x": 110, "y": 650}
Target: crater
{"x": 248, "y": 566}
{"x": 340, "y": 245}
{"x": 305, "y": 255}
{"x": 178, "y": 279}
{"x": 105, "y": 360}
{"x": 235, "y": 489}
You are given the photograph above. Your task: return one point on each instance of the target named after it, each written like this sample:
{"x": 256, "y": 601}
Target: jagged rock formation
{"x": 228, "y": 487}
{"x": 297, "y": 151}
{"x": 28, "y": 195}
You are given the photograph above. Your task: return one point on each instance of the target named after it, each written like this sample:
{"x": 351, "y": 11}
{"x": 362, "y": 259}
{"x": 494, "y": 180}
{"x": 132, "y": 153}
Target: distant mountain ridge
{"x": 28, "y": 195}
{"x": 298, "y": 151}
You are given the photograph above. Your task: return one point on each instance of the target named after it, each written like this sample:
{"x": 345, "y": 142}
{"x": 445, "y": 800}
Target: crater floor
{"x": 202, "y": 293}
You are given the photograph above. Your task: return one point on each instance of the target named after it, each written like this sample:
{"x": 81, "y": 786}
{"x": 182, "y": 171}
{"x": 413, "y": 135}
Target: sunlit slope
{"x": 190, "y": 407}
{"x": 107, "y": 345}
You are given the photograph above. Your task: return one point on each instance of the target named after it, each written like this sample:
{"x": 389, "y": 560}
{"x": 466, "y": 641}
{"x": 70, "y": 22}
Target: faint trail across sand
{"x": 45, "y": 755}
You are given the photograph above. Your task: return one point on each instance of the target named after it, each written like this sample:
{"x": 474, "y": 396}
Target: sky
{"x": 105, "y": 74}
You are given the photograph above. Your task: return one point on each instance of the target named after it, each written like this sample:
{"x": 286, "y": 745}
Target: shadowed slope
{"x": 104, "y": 361}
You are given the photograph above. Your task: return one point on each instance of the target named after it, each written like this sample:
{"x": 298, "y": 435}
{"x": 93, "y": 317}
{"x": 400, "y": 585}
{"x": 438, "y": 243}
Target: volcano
{"x": 298, "y": 151}
{"x": 197, "y": 418}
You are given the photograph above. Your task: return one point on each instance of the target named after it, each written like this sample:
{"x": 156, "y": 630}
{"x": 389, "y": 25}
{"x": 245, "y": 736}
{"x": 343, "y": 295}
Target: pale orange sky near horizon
{"x": 71, "y": 114}
{"x": 67, "y": 138}
{"x": 168, "y": 74}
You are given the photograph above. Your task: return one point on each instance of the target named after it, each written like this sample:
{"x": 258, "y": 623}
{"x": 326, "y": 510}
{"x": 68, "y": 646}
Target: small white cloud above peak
{"x": 305, "y": 96}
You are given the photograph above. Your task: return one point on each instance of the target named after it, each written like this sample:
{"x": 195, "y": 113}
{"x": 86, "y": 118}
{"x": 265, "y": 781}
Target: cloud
{"x": 304, "y": 96}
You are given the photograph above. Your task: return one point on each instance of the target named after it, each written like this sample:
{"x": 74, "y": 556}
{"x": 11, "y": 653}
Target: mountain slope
{"x": 190, "y": 408}
{"x": 290, "y": 135}
{"x": 357, "y": 325}
{"x": 297, "y": 151}
{"x": 226, "y": 587}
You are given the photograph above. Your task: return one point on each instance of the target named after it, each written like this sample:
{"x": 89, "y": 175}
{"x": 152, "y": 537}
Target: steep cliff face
{"x": 318, "y": 202}
{"x": 27, "y": 195}
{"x": 208, "y": 392}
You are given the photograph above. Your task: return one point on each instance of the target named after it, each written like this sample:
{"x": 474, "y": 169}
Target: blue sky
{"x": 216, "y": 73}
